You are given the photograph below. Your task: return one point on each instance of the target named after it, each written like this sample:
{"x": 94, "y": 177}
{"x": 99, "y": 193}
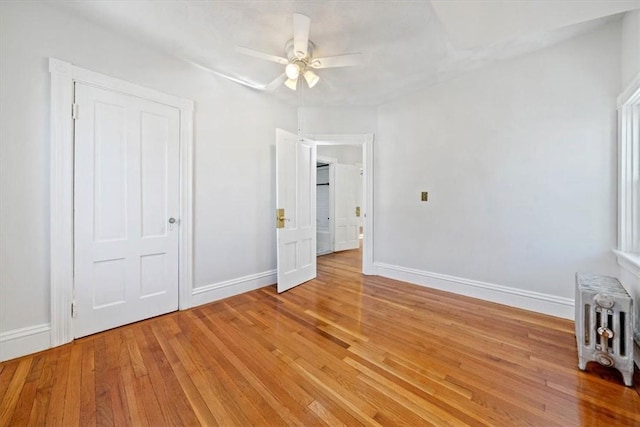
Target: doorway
{"x": 325, "y": 216}
{"x": 347, "y": 156}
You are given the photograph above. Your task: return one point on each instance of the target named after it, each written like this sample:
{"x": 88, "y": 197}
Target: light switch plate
{"x": 424, "y": 196}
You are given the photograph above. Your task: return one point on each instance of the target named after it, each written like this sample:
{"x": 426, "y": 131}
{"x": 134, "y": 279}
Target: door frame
{"x": 366, "y": 142}
{"x": 64, "y": 75}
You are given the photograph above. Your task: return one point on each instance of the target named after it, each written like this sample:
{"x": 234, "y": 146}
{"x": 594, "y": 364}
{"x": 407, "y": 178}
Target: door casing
{"x": 64, "y": 75}
{"x": 366, "y": 142}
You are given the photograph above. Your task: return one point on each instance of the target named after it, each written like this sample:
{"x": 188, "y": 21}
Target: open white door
{"x": 347, "y": 223}
{"x": 296, "y": 209}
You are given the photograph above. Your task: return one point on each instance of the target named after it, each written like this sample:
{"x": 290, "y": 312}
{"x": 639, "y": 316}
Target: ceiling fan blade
{"x": 269, "y": 87}
{"x": 301, "y": 25}
{"x": 347, "y": 60}
{"x": 262, "y": 55}
{"x": 276, "y": 82}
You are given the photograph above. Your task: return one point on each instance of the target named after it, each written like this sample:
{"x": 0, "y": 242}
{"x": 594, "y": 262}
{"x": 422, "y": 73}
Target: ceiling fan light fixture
{"x": 299, "y": 58}
{"x": 291, "y": 84}
{"x": 311, "y": 78}
{"x": 293, "y": 71}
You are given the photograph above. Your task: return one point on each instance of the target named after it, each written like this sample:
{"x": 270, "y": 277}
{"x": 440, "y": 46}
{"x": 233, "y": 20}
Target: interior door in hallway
{"x": 347, "y": 220}
{"x": 126, "y": 205}
{"x": 296, "y": 209}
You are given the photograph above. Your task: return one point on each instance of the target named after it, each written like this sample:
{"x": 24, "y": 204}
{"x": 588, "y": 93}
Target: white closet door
{"x": 347, "y": 222}
{"x": 126, "y": 206}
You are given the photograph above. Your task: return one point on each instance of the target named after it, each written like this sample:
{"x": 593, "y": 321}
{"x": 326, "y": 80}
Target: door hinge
{"x": 74, "y": 311}
{"x": 74, "y": 111}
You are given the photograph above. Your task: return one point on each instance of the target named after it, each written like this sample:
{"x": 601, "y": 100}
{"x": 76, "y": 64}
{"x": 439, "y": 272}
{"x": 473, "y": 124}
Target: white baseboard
{"x": 228, "y": 288}
{"x": 514, "y": 297}
{"x": 23, "y": 341}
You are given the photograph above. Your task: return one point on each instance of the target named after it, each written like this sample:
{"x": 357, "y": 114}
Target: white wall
{"x": 234, "y": 153}
{"x": 630, "y": 47}
{"x": 519, "y": 159}
{"x": 338, "y": 120}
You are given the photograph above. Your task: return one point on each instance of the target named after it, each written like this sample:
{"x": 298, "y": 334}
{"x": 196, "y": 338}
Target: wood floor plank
{"x": 14, "y": 389}
{"x": 71, "y": 414}
{"x": 143, "y": 386}
{"x": 87, "y": 414}
{"x": 266, "y": 369}
{"x": 104, "y": 411}
{"x": 134, "y": 404}
{"x": 24, "y": 405}
{"x": 341, "y": 350}
{"x": 6, "y": 375}
{"x": 267, "y": 392}
{"x": 206, "y": 404}
{"x": 215, "y": 368}
{"x": 46, "y": 380}
{"x": 173, "y": 404}
{"x": 55, "y": 411}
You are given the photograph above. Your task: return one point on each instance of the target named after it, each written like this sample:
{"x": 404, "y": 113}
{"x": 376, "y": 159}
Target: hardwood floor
{"x": 340, "y": 350}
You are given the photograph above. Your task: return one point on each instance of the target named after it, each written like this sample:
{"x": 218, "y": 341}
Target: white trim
{"x": 366, "y": 142}
{"x": 61, "y": 193}
{"x": 63, "y": 77}
{"x": 628, "y": 261}
{"x": 326, "y": 159}
{"x": 185, "y": 263}
{"x": 23, "y": 341}
{"x": 514, "y": 297}
{"x": 628, "y": 251}
{"x": 228, "y": 288}
{"x": 340, "y": 139}
{"x": 628, "y": 168}
{"x": 630, "y": 94}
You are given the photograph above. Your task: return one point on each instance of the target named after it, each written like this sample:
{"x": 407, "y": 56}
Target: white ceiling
{"x": 407, "y": 44}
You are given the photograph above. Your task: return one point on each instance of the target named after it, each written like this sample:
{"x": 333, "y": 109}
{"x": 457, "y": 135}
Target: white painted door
{"x": 126, "y": 206}
{"x": 347, "y": 223}
{"x": 296, "y": 194}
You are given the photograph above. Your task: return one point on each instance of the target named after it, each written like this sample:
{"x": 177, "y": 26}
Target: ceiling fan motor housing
{"x": 292, "y": 56}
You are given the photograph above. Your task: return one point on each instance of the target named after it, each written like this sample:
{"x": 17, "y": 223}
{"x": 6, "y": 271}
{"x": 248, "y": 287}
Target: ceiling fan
{"x": 299, "y": 59}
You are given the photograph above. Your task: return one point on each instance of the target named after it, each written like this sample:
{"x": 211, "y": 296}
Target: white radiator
{"x": 604, "y": 322}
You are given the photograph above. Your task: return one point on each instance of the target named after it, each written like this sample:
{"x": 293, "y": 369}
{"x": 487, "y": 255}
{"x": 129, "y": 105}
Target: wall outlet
{"x": 424, "y": 196}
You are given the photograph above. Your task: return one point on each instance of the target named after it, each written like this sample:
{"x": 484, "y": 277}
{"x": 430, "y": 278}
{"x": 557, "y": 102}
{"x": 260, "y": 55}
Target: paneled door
{"x": 126, "y": 204}
{"x": 347, "y": 220}
{"x": 296, "y": 209}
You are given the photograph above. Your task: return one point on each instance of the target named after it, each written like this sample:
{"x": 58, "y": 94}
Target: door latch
{"x": 280, "y": 218}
